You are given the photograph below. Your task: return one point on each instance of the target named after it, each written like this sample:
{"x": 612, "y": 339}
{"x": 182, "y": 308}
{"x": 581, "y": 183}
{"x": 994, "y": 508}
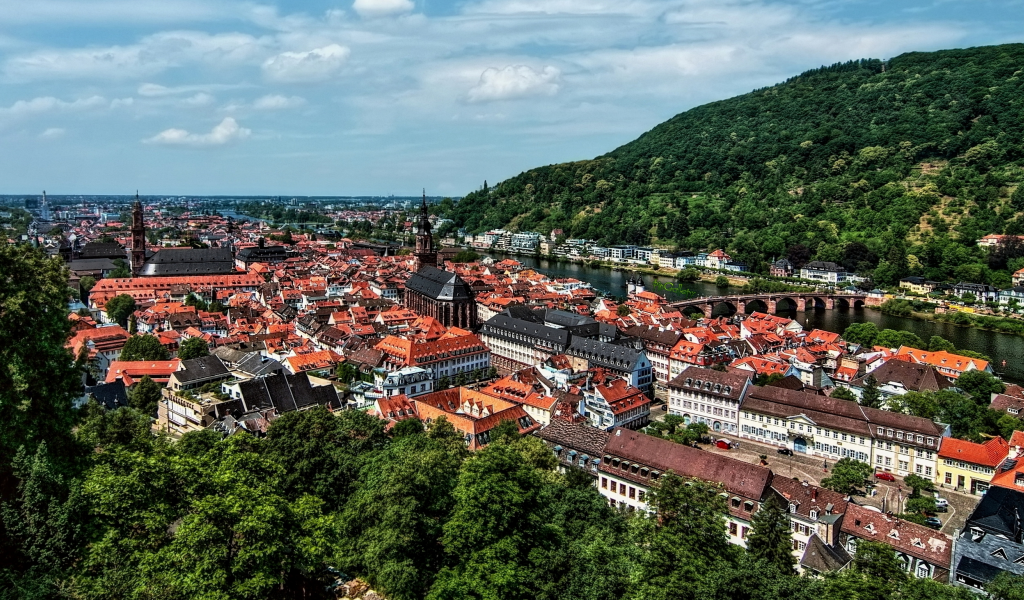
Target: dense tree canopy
{"x": 889, "y": 169}
{"x": 144, "y": 347}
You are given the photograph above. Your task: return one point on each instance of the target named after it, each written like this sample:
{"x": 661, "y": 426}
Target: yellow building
{"x": 967, "y": 466}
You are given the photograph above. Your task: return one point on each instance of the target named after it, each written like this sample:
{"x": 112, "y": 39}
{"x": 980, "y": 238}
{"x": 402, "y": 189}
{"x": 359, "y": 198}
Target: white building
{"x": 708, "y": 396}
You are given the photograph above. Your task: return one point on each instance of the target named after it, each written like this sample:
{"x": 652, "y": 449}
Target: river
{"x": 998, "y": 346}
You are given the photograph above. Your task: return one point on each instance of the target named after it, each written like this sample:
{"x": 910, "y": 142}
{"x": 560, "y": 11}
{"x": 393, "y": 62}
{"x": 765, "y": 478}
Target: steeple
{"x": 425, "y": 252}
{"x": 138, "y": 254}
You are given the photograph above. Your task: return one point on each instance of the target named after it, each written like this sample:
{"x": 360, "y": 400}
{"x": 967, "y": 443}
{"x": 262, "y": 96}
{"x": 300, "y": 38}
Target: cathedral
{"x": 174, "y": 262}
{"x": 433, "y": 292}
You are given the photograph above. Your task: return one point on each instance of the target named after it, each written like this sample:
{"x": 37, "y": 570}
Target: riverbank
{"x": 1004, "y": 325}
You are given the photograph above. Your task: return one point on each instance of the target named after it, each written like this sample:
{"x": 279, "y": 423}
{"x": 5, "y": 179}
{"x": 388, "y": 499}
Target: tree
{"x": 938, "y": 343}
{"x": 321, "y": 452}
{"x": 980, "y": 385}
{"x": 863, "y": 334}
{"x": 847, "y": 476}
{"x": 121, "y": 270}
{"x": 193, "y": 348}
{"x": 843, "y": 394}
{"x": 689, "y": 274}
{"x": 84, "y": 285}
{"x": 1006, "y": 585}
{"x": 688, "y": 543}
{"x": 623, "y": 310}
{"x": 39, "y": 376}
{"x": 392, "y": 525}
{"x": 406, "y": 427}
{"x": 769, "y": 538}
{"x": 497, "y": 524}
{"x": 869, "y": 395}
{"x": 144, "y": 347}
{"x": 119, "y": 308}
{"x": 891, "y": 338}
{"x": 798, "y": 255}
{"x": 917, "y": 484}
{"x": 145, "y": 396}
{"x": 722, "y": 281}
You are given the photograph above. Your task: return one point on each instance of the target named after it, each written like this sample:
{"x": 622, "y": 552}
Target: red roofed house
{"x": 321, "y": 360}
{"x": 472, "y": 413}
{"x": 130, "y": 372}
{"x": 967, "y": 466}
{"x": 615, "y": 403}
{"x": 446, "y": 357}
{"x": 949, "y": 364}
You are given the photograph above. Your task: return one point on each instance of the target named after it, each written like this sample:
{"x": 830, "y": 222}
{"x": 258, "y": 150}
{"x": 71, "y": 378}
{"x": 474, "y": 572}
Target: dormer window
{"x": 894, "y": 534}
{"x": 999, "y": 553}
{"x": 814, "y": 515}
{"x": 792, "y": 507}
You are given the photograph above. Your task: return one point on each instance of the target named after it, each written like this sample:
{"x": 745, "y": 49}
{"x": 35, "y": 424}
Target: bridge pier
{"x": 708, "y": 309}
{"x": 801, "y": 303}
{"x": 772, "y": 306}
{"x": 830, "y": 302}
{"x": 741, "y": 307}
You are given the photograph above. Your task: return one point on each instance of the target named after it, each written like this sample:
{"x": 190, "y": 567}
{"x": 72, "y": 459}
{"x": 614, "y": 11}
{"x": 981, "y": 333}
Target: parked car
{"x": 785, "y": 451}
{"x": 933, "y": 522}
{"x": 885, "y": 476}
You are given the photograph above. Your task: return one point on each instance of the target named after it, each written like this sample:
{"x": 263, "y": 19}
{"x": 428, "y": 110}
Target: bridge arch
{"x": 724, "y": 308}
{"x": 786, "y": 304}
{"x": 693, "y": 309}
{"x": 755, "y": 305}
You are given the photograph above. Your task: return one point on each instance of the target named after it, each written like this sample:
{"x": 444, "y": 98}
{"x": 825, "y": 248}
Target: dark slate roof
{"x": 264, "y": 254}
{"x": 997, "y": 512}
{"x": 92, "y": 264}
{"x": 561, "y": 318}
{"x": 439, "y": 285}
{"x": 504, "y": 326}
{"x": 821, "y": 265}
{"x": 603, "y": 354}
{"x": 256, "y": 364}
{"x": 190, "y": 261}
{"x": 111, "y": 395}
{"x": 977, "y": 570}
{"x": 103, "y": 250}
{"x": 285, "y": 393}
{"x": 822, "y": 558}
{"x": 201, "y": 369}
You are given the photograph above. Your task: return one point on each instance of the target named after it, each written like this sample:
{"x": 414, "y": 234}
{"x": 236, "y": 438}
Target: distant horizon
{"x": 382, "y": 97}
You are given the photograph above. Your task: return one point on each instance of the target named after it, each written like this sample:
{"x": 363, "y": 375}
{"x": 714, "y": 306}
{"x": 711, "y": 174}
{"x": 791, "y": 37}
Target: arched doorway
{"x": 800, "y": 444}
{"x": 717, "y": 426}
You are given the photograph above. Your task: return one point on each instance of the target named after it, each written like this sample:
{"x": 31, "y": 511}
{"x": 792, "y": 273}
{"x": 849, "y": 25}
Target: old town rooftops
{"x": 632, "y": 448}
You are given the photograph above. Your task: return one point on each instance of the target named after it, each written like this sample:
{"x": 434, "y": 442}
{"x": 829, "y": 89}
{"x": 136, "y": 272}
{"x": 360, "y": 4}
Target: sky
{"x": 378, "y": 97}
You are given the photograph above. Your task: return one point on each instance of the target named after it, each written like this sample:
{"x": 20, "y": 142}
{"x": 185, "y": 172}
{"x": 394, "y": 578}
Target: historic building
{"x": 445, "y": 296}
{"x": 426, "y": 254}
{"x": 138, "y": 255}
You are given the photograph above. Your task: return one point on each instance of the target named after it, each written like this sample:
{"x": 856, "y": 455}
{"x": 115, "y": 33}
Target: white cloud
{"x": 227, "y": 131}
{"x": 52, "y": 133}
{"x": 200, "y": 99}
{"x": 47, "y": 104}
{"x": 153, "y": 54}
{"x": 378, "y": 8}
{"x": 315, "y": 65}
{"x": 514, "y": 81}
{"x": 278, "y": 102}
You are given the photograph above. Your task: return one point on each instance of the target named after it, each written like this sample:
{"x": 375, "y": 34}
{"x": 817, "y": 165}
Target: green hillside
{"x": 892, "y": 168}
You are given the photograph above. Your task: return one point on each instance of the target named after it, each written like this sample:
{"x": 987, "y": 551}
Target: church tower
{"x": 425, "y": 252}
{"x": 138, "y": 238}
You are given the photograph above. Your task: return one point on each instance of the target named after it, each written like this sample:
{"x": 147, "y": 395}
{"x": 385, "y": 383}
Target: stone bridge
{"x": 769, "y": 303}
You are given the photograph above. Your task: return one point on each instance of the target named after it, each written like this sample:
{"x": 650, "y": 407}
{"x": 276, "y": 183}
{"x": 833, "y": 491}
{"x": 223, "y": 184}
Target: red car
{"x": 885, "y": 476}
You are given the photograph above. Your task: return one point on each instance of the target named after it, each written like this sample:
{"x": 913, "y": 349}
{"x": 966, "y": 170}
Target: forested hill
{"x": 914, "y": 158}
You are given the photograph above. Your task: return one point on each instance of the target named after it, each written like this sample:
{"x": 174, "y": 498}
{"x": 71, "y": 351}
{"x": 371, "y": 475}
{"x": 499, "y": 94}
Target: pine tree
{"x": 870, "y": 396}
{"x": 769, "y": 538}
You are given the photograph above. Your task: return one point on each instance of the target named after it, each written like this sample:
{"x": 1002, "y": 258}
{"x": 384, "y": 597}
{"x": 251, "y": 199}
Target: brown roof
{"x": 917, "y": 377}
{"x": 744, "y": 479}
{"x": 575, "y": 436}
{"x": 717, "y": 383}
{"x": 807, "y": 497}
{"x": 902, "y": 535}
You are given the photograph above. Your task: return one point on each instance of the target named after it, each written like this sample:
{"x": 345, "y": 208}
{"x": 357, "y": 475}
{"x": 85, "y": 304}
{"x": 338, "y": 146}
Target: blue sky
{"x": 390, "y": 96}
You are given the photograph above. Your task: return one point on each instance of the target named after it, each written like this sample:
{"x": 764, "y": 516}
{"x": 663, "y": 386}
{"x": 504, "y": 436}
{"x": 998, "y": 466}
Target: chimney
{"x": 259, "y": 242}
{"x": 814, "y": 494}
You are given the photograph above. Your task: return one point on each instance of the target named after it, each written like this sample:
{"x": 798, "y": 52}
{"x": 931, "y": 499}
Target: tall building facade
{"x": 138, "y": 255}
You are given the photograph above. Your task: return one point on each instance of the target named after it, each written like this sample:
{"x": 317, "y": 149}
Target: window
{"x": 604, "y": 482}
{"x": 949, "y": 478}
{"x": 632, "y": 493}
{"x": 622, "y": 489}
{"x": 642, "y": 496}
{"x": 922, "y": 570}
{"x": 928, "y": 471}
{"x": 732, "y": 529}
{"x": 744, "y": 532}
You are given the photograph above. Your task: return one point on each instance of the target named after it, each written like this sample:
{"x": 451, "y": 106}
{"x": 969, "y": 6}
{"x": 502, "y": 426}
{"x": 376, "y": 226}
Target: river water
{"x": 998, "y": 346}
